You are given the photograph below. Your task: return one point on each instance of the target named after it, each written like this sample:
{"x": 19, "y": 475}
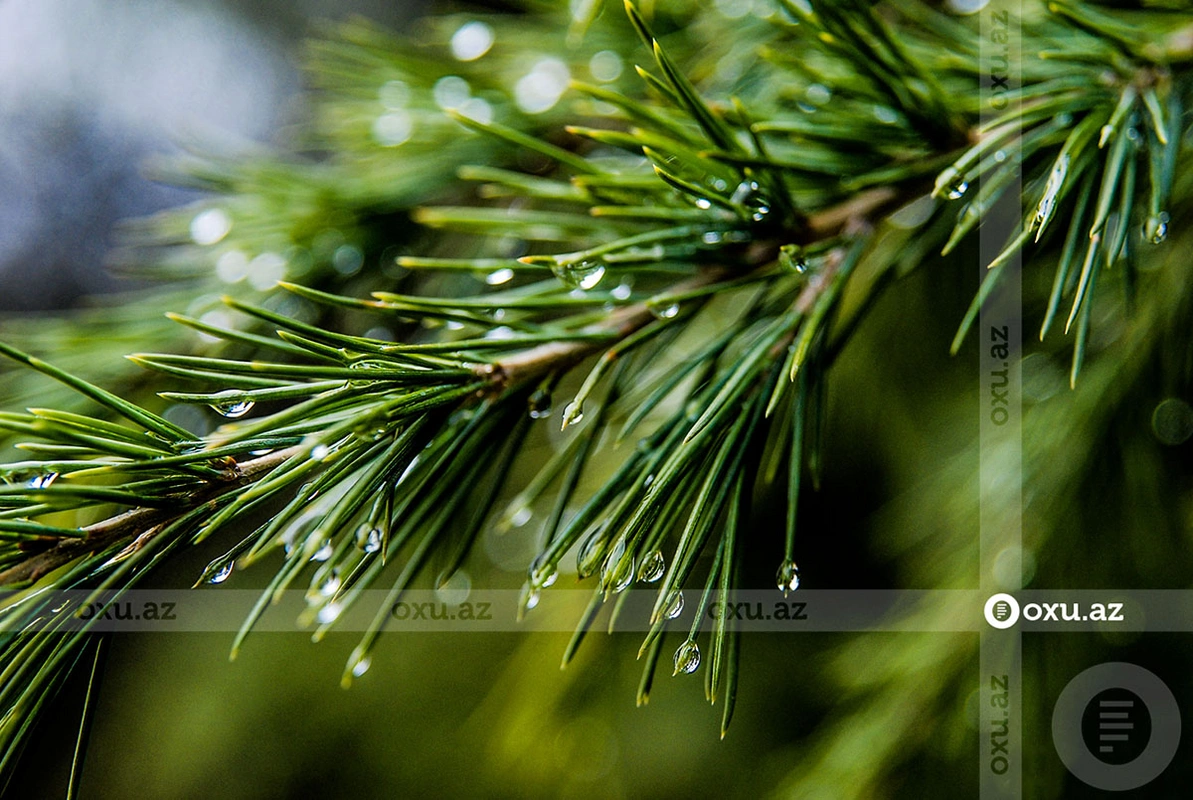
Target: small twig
{"x": 554, "y": 356}
{"x": 140, "y": 524}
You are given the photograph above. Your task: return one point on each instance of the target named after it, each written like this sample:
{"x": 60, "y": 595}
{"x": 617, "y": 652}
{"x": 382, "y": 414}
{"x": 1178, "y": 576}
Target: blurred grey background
{"x": 90, "y": 88}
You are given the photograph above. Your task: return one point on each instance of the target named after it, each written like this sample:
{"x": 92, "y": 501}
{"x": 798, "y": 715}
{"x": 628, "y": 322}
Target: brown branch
{"x": 138, "y": 524}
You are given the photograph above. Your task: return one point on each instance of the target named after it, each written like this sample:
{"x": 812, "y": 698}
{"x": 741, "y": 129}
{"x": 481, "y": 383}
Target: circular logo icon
{"x": 1116, "y": 726}
{"x": 1002, "y": 611}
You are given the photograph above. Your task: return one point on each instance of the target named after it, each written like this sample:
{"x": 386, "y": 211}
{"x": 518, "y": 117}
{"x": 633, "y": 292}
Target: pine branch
{"x": 710, "y": 248}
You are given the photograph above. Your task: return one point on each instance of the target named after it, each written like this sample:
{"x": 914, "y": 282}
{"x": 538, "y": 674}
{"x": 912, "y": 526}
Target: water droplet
{"x": 331, "y": 585}
{"x": 324, "y": 552}
{"x": 589, "y": 556}
{"x": 1155, "y": 229}
{"x": 471, "y": 41}
{"x": 665, "y": 312}
{"x": 500, "y": 332}
{"x": 521, "y": 517}
{"x": 1056, "y": 179}
{"x": 320, "y": 452}
{"x": 42, "y": 481}
{"x": 615, "y": 554}
{"x": 687, "y": 658}
{"x": 360, "y": 665}
{"x": 703, "y": 203}
{"x": 621, "y": 291}
{"x": 712, "y": 237}
{"x": 368, "y": 538}
{"x": 653, "y": 567}
{"x": 499, "y": 276}
{"x": 329, "y": 613}
{"x": 792, "y": 258}
{"x": 223, "y": 574}
{"x": 543, "y": 573}
{"x": 749, "y": 196}
{"x": 958, "y": 190}
{"x": 580, "y": 275}
{"x": 674, "y": 606}
{"x": 1000, "y": 156}
{"x": 620, "y": 574}
{"x": 539, "y": 404}
{"x": 787, "y": 577}
{"x": 818, "y": 93}
{"x": 573, "y": 413}
{"x": 623, "y": 575}
{"x": 233, "y": 407}
{"x": 530, "y": 596}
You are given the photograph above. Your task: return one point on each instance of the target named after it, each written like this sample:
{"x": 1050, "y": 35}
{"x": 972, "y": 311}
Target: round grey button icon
{"x": 1116, "y": 726}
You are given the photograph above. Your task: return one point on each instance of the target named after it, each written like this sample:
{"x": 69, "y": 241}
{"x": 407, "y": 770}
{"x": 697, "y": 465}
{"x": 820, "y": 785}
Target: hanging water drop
{"x": 331, "y": 585}
{"x": 369, "y": 539}
{"x": 499, "y": 276}
{"x": 653, "y": 567}
{"x": 589, "y": 557}
{"x": 787, "y": 577}
{"x": 580, "y": 274}
{"x": 1155, "y": 230}
{"x": 687, "y": 658}
{"x": 665, "y": 312}
{"x": 520, "y": 517}
{"x": 704, "y": 204}
{"x": 360, "y": 665}
{"x": 324, "y": 552}
{"x": 674, "y": 606}
{"x": 615, "y": 554}
{"x": 222, "y": 575}
{"x": 748, "y": 195}
{"x": 622, "y": 574}
{"x": 1056, "y": 179}
{"x": 320, "y": 452}
{"x": 543, "y": 573}
{"x": 958, "y": 190}
{"x": 539, "y": 404}
{"x": 42, "y": 481}
{"x": 233, "y": 409}
{"x": 793, "y": 258}
{"x": 573, "y": 413}
{"x": 330, "y": 613}
{"x": 530, "y": 596}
